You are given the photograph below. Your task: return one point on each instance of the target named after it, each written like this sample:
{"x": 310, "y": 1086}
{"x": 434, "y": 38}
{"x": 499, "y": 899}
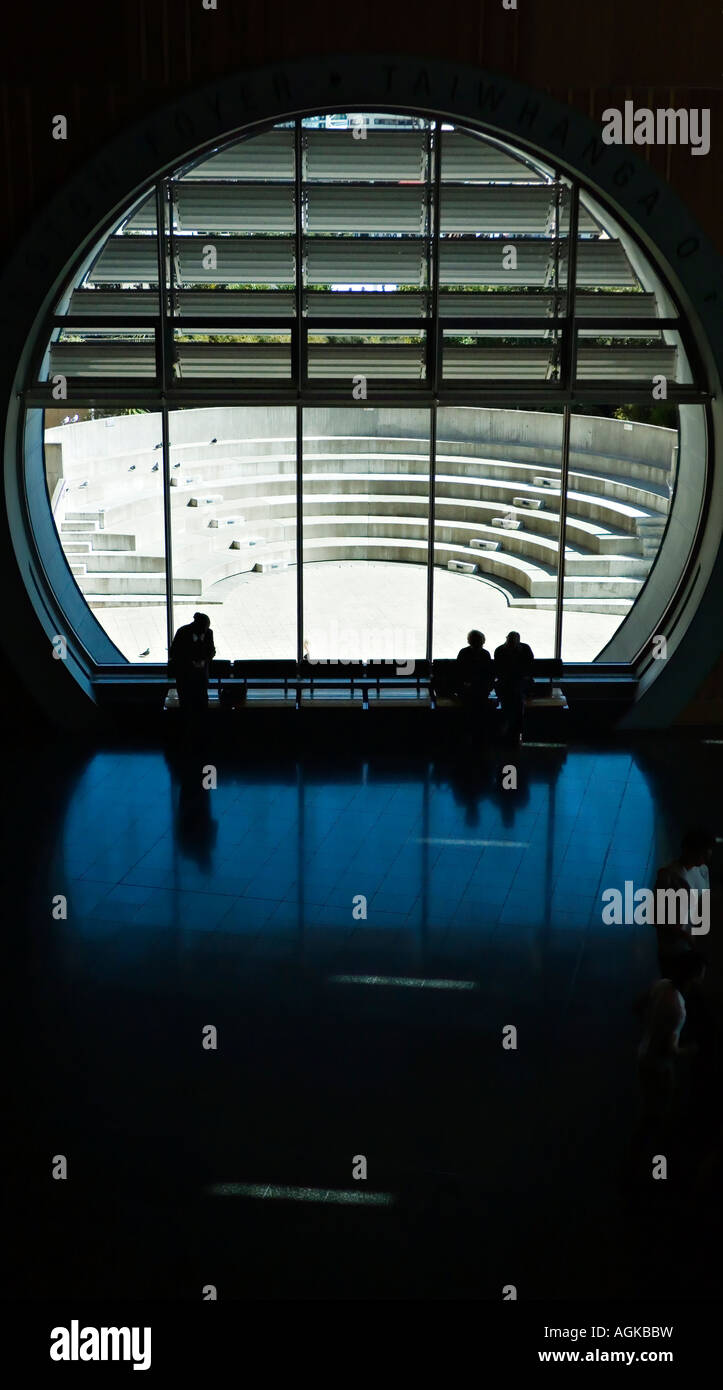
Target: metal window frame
{"x": 166, "y": 392}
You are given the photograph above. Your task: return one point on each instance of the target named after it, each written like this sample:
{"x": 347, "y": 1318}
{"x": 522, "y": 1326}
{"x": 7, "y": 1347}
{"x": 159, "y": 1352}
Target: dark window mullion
{"x": 299, "y": 367}
{"x": 435, "y": 360}
{"x": 165, "y": 359}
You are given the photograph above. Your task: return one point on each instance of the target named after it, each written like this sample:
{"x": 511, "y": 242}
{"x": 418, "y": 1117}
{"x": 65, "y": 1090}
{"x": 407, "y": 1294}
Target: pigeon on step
{"x": 214, "y": 441}
{"x": 132, "y": 468}
{"x": 154, "y": 468}
{"x": 85, "y": 484}
{"x": 147, "y": 652}
{"x": 158, "y": 446}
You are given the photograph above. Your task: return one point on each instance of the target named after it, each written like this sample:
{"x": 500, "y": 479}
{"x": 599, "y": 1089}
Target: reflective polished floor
{"x": 363, "y": 942}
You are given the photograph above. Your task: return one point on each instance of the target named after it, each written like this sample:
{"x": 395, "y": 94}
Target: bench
{"x": 367, "y": 685}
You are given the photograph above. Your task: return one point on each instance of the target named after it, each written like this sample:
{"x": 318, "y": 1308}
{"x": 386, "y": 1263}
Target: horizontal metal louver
{"x": 339, "y": 361}
{"x": 373, "y": 209}
{"x": 267, "y": 156}
{"x": 93, "y": 359}
{"x": 397, "y": 155}
{"x": 266, "y": 260}
{"x": 215, "y": 303}
{"x": 478, "y": 262}
{"x": 497, "y": 208}
{"x": 229, "y": 207}
{"x": 353, "y": 304}
{"x": 466, "y": 157}
{"x": 356, "y": 261}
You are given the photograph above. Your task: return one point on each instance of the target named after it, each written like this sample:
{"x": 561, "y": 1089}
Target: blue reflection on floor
{"x": 281, "y": 907}
{"x": 446, "y": 863}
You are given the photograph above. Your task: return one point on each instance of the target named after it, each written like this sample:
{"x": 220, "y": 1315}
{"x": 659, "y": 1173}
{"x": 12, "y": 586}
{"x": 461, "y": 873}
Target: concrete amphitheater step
{"x": 194, "y": 550}
{"x": 577, "y": 605}
{"x": 587, "y": 535}
{"x": 124, "y": 562}
{"x": 506, "y": 481}
{"x": 651, "y": 495}
{"x": 535, "y": 455}
{"x": 534, "y": 579}
{"x": 102, "y": 540}
{"x": 130, "y": 601}
{"x": 317, "y": 448}
{"x": 615, "y": 513}
{"x": 118, "y": 584}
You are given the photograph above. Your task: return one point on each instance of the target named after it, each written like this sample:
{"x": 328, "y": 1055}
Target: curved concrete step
{"x": 119, "y": 584}
{"x": 534, "y": 579}
{"x": 588, "y": 535}
{"x": 611, "y": 513}
{"x": 197, "y": 551}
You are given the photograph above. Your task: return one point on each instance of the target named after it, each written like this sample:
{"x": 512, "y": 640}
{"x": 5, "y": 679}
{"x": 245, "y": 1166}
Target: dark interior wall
{"x": 106, "y": 66}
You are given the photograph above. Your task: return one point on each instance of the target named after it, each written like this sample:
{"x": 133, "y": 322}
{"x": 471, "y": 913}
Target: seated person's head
{"x": 513, "y": 639}
{"x": 201, "y": 622}
{"x": 476, "y": 639}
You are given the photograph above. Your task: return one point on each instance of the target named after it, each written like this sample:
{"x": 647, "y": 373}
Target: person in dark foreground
{"x": 689, "y": 873}
{"x": 513, "y": 668}
{"x": 192, "y": 651}
{"x": 664, "y": 1015}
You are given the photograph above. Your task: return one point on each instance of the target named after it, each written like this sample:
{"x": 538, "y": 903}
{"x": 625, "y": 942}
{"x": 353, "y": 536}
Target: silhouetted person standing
{"x": 192, "y": 651}
{"x": 514, "y": 663}
{"x": 474, "y": 674}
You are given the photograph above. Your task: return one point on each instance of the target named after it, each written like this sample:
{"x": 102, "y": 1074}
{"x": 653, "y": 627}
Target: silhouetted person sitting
{"x": 192, "y": 651}
{"x": 474, "y": 674}
{"x": 690, "y": 873}
{"x": 514, "y": 663}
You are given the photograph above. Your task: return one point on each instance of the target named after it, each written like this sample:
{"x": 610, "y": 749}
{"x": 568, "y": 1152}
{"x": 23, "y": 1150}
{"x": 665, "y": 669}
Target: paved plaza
{"x": 352, "y": 605}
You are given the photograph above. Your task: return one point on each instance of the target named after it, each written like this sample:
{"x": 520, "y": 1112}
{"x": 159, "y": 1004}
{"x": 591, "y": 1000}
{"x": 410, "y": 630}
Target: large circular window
{"x": 354, "y": 383}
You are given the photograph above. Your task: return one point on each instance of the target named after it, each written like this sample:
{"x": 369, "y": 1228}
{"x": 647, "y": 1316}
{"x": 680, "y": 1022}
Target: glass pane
{"x": 107, "y": 353}
{"x": 105, "y": 483}
{"x": 231, "y": 241}
{"x": 638, "y": 355}
{"x": 366, "y": 500}
{"x": 612, "y": 273}
{"x": 233, "y": 509}
{"x": 504, "y": 222}
{"x": 121, "y": 276}
{"x": 365, "y": 221}
{"x": 487, "y": 355}
{"x": 497, "y": 509}
{"x": 252, "y": 355}
{"x": 623, "y": 461}
{"x": 375, "y": 357}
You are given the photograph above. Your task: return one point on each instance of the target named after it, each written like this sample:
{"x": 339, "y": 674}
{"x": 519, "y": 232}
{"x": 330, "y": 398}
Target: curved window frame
{"x": 699, "y": 347}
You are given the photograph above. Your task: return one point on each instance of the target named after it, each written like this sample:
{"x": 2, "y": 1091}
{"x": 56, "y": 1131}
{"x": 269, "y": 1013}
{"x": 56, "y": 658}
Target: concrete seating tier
{"x": 588, "y": 535}
{"x": 194, "y": 546}
{"x": 621, "y": 510}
